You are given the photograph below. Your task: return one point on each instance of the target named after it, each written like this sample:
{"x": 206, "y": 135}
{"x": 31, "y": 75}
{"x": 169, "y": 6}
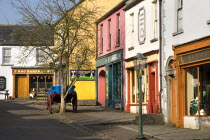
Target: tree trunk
{"x": 63, "y": 104}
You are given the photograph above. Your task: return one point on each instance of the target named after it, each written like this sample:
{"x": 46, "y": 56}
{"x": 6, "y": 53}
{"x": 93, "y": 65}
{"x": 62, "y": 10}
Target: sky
{"x": 8, "y": 14}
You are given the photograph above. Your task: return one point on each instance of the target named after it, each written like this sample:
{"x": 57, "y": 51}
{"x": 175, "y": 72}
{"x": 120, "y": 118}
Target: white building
{"x": 23, "y": 76}
{"x": 186, "y": 30}
{"x": 142, "y": 36}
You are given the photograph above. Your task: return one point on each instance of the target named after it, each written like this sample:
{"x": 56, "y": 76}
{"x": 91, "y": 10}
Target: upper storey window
{"x": 179, "y": 17}
{"x": 101, "y": 38}
{"x": 6, "y": 55}
{"x": 118, "y": 30}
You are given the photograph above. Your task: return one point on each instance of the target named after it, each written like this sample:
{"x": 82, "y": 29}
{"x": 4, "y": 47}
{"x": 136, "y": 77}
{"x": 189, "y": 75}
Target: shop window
{"x": 6, "y": 55}
{"x": 134, "y": 93}
{"x": 41, "y": 83}
{"x": 198, "y": 97}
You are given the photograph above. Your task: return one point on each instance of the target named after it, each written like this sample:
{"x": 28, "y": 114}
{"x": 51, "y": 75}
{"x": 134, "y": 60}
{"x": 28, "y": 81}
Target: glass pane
{"x": 205, "y": 94}
{"x": 192, "y": 90}
{"x": 179, "y": 18}
{"x": 7, "y": 52}
{"x": 6, "y": 59}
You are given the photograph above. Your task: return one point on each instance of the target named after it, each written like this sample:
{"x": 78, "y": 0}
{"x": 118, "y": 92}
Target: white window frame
{"x": 179, "y": 17}
{"x": 9, "y": 56}
{"x": 132, "y": 29}
{"x": 155, "y": 21}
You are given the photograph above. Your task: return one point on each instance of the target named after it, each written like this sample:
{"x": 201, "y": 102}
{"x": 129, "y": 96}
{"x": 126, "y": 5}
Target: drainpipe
{"x": 96, "y": 71}
{"x": 160, "y": 50}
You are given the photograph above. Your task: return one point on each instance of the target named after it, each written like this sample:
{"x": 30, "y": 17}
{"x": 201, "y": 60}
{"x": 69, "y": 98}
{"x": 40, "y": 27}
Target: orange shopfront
{"x": 31, "y": 80}
{"x": 192, "y": 97}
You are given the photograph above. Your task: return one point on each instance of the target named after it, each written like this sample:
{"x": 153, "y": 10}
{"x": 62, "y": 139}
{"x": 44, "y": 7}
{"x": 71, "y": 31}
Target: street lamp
{"x": 139, "y": 62}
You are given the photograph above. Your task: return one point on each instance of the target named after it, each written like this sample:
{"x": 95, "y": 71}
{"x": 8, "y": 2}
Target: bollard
{"x": 6, "y": 94}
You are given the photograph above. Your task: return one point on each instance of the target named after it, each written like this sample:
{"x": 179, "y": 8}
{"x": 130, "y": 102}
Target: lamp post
{"x": 139, "y": 64}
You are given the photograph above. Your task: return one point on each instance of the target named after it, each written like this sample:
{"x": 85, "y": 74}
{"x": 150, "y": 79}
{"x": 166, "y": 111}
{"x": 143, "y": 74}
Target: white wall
{"x": 16, "y": 57}
{"x": 147, "y": 46}
{"x": 195, "y": 16}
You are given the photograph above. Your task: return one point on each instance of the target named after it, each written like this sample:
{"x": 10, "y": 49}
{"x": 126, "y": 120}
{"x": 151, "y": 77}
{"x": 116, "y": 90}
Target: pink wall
{"x": 114, "y": 28}
{"x": 102, "y": 86}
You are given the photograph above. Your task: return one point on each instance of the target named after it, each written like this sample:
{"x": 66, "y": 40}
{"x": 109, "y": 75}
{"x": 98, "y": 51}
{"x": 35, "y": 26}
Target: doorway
{"x": 21, "y": 87}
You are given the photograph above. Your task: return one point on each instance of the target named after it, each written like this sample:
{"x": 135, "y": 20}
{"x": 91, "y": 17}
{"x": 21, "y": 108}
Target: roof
{"x": 132, "y": 3}
{"x": 12, "y": 35}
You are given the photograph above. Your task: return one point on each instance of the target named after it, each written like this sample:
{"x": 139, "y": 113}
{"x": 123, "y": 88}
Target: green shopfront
{"x": 110, "y": 80}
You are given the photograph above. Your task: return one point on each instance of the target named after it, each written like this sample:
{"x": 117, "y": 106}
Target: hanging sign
{"x": 2, "y": 83}
{"x": 142, "y": 26}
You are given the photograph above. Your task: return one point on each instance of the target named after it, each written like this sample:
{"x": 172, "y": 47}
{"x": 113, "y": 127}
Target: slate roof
{"x": 12, "y": 35}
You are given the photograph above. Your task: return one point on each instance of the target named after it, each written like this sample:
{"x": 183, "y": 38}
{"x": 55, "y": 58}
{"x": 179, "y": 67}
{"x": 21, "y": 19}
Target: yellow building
{"x": 86, "y": 88}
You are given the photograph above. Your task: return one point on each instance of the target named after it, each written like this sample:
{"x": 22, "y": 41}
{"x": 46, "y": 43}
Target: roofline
{"x": 132, "y": 4}
{"x": 117, "y": 7}
{"x": 15, "y": 25}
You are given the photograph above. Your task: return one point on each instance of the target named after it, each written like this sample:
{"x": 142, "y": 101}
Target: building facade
{"x": 23, "y": 76}
{"x": 142, "y": 36}
{"x": 110, "y": 55}
{"x": 86, "y": 88}
{"x": 186, "y": 63}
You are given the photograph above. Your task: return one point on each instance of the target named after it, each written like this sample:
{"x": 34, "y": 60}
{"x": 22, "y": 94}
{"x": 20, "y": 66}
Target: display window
{"x": 198, "y": 90}
{"x": 134, "y": 94}
{"x": 40, "y": 83}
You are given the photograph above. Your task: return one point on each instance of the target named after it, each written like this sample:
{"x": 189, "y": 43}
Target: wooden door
{"x": 173, "y": 100}
{"x": 21, "y": 87}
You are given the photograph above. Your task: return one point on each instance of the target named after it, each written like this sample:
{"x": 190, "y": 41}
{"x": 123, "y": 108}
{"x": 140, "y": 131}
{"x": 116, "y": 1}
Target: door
{"x": 173, "y": 100}
{"x": 21, "y": 87}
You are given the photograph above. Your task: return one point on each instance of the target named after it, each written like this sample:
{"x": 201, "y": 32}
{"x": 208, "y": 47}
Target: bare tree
{"x": 71, "y": 25}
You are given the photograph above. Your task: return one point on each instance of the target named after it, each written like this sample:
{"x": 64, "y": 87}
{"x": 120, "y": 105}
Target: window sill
{"x": 108, "y": 49}
{"x": 153, "y": 40}
{"x": 208, "y": 22}
{"x": 7, "y": 64}
{"x": 177, "y": 32}
{"x": 117, "y": 45}
{"x": 131, "y": 48}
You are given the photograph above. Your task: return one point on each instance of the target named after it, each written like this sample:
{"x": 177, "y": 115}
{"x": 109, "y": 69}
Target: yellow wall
{"x": 85, "y": 90}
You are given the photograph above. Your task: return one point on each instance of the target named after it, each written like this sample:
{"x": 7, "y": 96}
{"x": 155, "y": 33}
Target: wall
{"x": 85, "y": 90}
{"x": 147, "y": 46}
{"x": 194, "y": 27}
{"x": 114, "y": 29}
{"x": 6, "y": 70}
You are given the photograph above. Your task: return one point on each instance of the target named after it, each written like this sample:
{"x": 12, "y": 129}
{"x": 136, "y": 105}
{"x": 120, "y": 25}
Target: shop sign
{"x": 109, "y": 59}
{"x": 194, "y": 57}
{"x": 85, "y": 75}
{"x": 2, "y": 83}
{"x": 30, "y": 71}
{"x": 142, "y": 26}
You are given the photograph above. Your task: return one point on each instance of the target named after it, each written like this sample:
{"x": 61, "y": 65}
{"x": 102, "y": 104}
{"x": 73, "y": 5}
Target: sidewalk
{"x": 95, "y": 115}
{"x": 106, "y": 117}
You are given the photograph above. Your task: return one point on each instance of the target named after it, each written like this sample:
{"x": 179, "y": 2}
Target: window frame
{"x": 101, "y": 39}
{"x": 110, "y": 35}
{"x": 118, "y": 30}
{"x": 3, "y": 56}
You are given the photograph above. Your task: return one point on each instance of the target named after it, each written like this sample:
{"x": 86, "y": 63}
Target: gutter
{"x": 161, "y": 53}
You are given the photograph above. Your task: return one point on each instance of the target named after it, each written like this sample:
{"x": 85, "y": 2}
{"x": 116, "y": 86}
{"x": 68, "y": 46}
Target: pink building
{"x": 110, "y": 55}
